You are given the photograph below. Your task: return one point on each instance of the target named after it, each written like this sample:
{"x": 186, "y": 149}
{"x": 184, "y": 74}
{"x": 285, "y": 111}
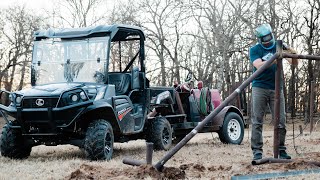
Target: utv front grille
{"x": 40, "y": 102}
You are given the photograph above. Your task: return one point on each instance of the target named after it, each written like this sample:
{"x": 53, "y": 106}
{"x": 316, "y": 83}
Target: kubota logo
{"x": 39, "y": 102}
{"x": 123, "y": 112}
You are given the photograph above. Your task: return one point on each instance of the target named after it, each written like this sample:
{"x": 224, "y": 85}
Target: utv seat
{"x": 121, "y": 81}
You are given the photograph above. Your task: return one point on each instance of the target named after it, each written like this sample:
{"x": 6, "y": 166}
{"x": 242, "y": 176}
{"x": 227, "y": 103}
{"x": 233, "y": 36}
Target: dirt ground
{"x": 204, "y": 157}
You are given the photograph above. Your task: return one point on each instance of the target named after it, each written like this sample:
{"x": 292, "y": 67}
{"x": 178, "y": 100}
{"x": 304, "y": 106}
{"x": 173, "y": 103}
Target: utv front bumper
{"x": 47, "y": 119}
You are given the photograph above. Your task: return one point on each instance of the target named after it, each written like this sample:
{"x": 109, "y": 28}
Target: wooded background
{"x": 210, "y": 38}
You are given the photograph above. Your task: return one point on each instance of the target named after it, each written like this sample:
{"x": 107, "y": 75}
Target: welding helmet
{"x": 265, "y": 36}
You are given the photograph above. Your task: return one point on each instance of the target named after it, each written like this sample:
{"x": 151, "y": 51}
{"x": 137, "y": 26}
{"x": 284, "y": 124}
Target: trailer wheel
{"x": 12, "y": 144}
{"x": 98, "y": 143}
{"x": 232, "y": 130}
{"x": 160, "y": 134}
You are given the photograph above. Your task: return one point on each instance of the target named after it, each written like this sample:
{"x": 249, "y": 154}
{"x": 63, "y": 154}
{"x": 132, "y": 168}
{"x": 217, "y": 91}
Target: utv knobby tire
{"x": 160, "y": 134}
{"x": 98, "y": 143}
{"x": 232, "y": 130}
{"x": 12, "y": 144}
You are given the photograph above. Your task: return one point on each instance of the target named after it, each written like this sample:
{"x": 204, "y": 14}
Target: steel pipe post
{"x": 277, "y": 107}
{"x": 149, "y": 152}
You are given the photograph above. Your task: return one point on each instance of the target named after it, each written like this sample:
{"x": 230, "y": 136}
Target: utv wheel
{"x": 160, "y": 134}
{"x": 98, "y": 144}
{"x": 12, "y": 144}
{"x": 232, "y": 130}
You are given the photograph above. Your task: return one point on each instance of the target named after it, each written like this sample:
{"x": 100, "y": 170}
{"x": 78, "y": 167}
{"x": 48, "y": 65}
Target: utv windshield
{"x": 56, "y": 60}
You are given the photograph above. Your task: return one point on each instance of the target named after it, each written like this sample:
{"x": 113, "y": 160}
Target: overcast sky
{"x": 41, "y": 6}
{"x": 38, "y": 4}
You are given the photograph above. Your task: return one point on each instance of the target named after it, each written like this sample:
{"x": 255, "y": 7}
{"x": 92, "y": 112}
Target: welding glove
{"x": 267, "y": 57}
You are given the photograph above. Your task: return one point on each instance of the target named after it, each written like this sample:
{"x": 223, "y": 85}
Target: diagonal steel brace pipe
{"x": 300, "y": 56}
{"x": 185, "y": 140}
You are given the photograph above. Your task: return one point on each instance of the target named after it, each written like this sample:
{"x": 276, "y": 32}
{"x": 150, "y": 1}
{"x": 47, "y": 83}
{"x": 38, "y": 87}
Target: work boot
{"x": 257, "y": 156}
{"x": 283, "y": 155}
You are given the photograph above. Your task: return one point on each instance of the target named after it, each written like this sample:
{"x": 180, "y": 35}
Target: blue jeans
{"x": 261, "y": 98}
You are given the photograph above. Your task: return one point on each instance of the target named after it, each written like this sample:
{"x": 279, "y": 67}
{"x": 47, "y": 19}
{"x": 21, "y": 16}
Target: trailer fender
{"x": 219, "y": 118}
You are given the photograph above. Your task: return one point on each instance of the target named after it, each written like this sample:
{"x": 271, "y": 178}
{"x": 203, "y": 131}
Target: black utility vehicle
{"x": 89, "y": 89}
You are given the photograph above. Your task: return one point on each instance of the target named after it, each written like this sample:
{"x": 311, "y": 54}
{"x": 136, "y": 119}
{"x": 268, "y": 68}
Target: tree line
{"x": 209, "y": 38}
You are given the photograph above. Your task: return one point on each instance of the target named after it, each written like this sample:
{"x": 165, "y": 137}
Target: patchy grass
{"x": 204, "y": 157}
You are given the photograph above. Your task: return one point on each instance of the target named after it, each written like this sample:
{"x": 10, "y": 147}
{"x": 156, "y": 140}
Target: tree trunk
{"x": 23, "y": 72}
{"x": 163, "y": 70}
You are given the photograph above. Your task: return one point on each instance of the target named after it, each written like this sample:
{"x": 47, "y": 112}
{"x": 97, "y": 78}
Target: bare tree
{"x": 211, "y": 38}
{"x": 312, "y": 38}
{"x": 220, "y": 40}
{"x": 125, "y": 12}
{"x": 157, "y": 14}
{"x": 17, "y": 43}
{"x": 290, "y": 32}
{"x": 80, "y": 13}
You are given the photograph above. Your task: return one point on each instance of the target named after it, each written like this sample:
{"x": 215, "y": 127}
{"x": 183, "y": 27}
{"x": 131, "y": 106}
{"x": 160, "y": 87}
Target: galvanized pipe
{"x": 276, "y": 160}
{"x": 276, "y": 175}
{"x": 174, "y": 150}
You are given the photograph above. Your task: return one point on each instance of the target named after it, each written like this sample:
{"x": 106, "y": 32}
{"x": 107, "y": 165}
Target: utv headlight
{"x": 74, "y": 98}
{"x": 83, "y": 95}
{"x": 18, "y": 99}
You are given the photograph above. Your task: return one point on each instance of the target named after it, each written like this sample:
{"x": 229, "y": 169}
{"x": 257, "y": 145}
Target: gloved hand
{"x": 288, "y": 48}
{"x": 285, "y": 46}
{"x": 267, "y": 57}
{"x": 292, "y": 51}
{"x": 292, "y": 61}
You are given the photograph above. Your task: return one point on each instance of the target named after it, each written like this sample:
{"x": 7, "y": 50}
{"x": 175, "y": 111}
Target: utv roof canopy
{"x": 117, "y": 32}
